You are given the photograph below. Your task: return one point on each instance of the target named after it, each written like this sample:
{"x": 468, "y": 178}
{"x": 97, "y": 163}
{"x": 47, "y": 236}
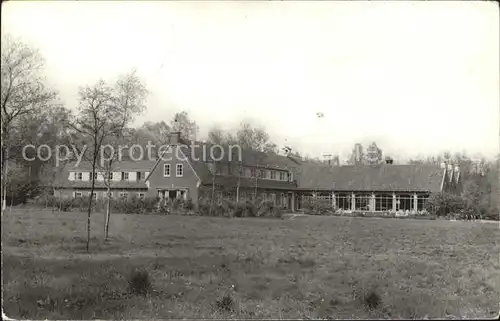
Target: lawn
{"x": 202, "y": 267}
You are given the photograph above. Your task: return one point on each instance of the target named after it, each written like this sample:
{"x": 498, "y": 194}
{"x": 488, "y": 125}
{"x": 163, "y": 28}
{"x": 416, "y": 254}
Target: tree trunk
{"x": 108, "y": 214}
{"x": 91, "y": 198}
{"x": 5, "y": 164}
{"x": 213, "y": 194}
{"x": 238, "y": 185}
{"x": 108, "y": 203}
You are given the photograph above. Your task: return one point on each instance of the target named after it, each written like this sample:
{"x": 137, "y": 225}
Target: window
{"x": 139, "y": 176}
{"x": 362, "y": 202}
{"x": 166, "y": 170}
{"x": 268, "y": 174}
{"x": 94, "y": 195}
{"x": 248, "y": 172}
{"x": 273, "y": 174}
{"x": 94, "y": 175}
{"x": 78, "y": 176}
{"x": 252, "y": 172}
{"x": 290, "y": 176}
{"x": 78, "y": 194}
{"x": 179, "y": 170}
{"x": 105, "y": 194}
{"x": 383, "y": 202}
{"x": 282, "y": 176}
{"x": 124, "y": 176}
{"x": 141, "y": 195}
{"x": 123, "y": 194}
{"x": 110, "y": 175}
{"x": 343, "y": 201}
{"x": 262, "y": 173}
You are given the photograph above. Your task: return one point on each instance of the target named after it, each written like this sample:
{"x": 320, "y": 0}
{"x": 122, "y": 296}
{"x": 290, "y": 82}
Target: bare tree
{"x": 255, "y": 138}
{"x": 23, "y": 93}
{"x": 183, "y": 124}
{"x": 103, "y": 113}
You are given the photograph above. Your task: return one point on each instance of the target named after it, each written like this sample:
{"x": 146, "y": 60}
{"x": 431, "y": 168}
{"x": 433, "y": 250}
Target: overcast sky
{"x": 416, "y": 77}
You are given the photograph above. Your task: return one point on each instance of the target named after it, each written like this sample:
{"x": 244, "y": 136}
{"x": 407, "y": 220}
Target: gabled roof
{"x": 199, "y": 154}
{"x": 371, "y": 178}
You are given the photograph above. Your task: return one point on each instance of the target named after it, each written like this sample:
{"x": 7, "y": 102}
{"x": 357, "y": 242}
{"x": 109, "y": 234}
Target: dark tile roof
{"x": 61, "y": 177}
{"x": 126, "y": 165}
{"x": 200, "y": 154}
{"x": 371, "y": 178}
{"x": 100, "y": 184}
{"x": 247, "y": 182}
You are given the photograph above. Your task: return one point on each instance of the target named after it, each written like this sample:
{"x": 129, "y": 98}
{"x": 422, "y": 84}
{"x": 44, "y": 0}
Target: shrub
{"x": 318, "y": 206}
{"x": 139, "y": 283}
{"x": 225, "y": 304}
{"x": 443, "y": 204}
{"x": 269, "y": 209}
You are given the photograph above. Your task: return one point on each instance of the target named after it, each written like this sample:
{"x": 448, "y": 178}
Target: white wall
{"x": 132, "y": 176}
{"x": 117, "y": 176}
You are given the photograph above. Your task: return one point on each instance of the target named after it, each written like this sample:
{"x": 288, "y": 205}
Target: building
{"x": 384, "y": 187}
{"x": 193, "y": 171}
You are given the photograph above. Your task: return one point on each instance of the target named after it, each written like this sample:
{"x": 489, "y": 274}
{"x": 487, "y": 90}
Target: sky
{"x": 418, "y": 78}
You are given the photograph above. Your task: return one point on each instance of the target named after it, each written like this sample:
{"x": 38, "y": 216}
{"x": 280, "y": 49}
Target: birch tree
{"x": 103, "y": 113}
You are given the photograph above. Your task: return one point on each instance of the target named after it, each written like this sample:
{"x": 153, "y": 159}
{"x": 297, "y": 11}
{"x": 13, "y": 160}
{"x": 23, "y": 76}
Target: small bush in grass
{"x": 225, "y": 304}
{"x": 139, "y": 283}
{"x": 372, "y": 300}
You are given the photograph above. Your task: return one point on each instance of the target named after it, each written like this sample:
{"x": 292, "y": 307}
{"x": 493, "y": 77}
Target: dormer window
{"x": 252, "y": 172}
{"x": 273, "y": 174}
{"x": 282, "y": 176}
{"x": 78, "y": 176}
{"x": 124, "y": 176}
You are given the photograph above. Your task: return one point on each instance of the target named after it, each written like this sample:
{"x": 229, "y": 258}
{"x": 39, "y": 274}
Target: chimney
{"x": 174, "y": 138}
{"x": 450, "y": 167}
{"x": 389, "y": 160}
{"x": 443, "y": 165}
{"x": 336, "y": 161}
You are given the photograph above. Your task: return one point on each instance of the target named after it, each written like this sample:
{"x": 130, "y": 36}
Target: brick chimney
{"x": 174, "y": 138}
{"x": 389, "y": 160}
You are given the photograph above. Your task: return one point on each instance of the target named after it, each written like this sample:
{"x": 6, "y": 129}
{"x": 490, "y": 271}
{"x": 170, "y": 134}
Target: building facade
{"x": 196, "y": 170}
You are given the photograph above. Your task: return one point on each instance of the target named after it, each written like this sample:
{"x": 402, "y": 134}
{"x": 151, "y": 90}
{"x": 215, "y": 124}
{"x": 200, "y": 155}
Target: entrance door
{"x": 172, "y": 195}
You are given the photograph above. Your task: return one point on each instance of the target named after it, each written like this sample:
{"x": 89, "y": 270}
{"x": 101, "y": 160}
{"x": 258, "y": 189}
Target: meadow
{"x": 211, "y": 267}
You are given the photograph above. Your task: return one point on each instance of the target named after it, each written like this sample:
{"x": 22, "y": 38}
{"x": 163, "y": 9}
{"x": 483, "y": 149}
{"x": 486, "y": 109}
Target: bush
{"x": 228, "y": 207}
{"x": 139, "y": 283}
{"x": 269, "y": 209}
{"x": 444, "y": 204}
{"x": 318, "y": 206}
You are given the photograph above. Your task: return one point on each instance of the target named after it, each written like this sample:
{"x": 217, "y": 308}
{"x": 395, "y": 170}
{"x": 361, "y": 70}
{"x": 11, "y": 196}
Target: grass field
{"x": 308, "y": 267}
